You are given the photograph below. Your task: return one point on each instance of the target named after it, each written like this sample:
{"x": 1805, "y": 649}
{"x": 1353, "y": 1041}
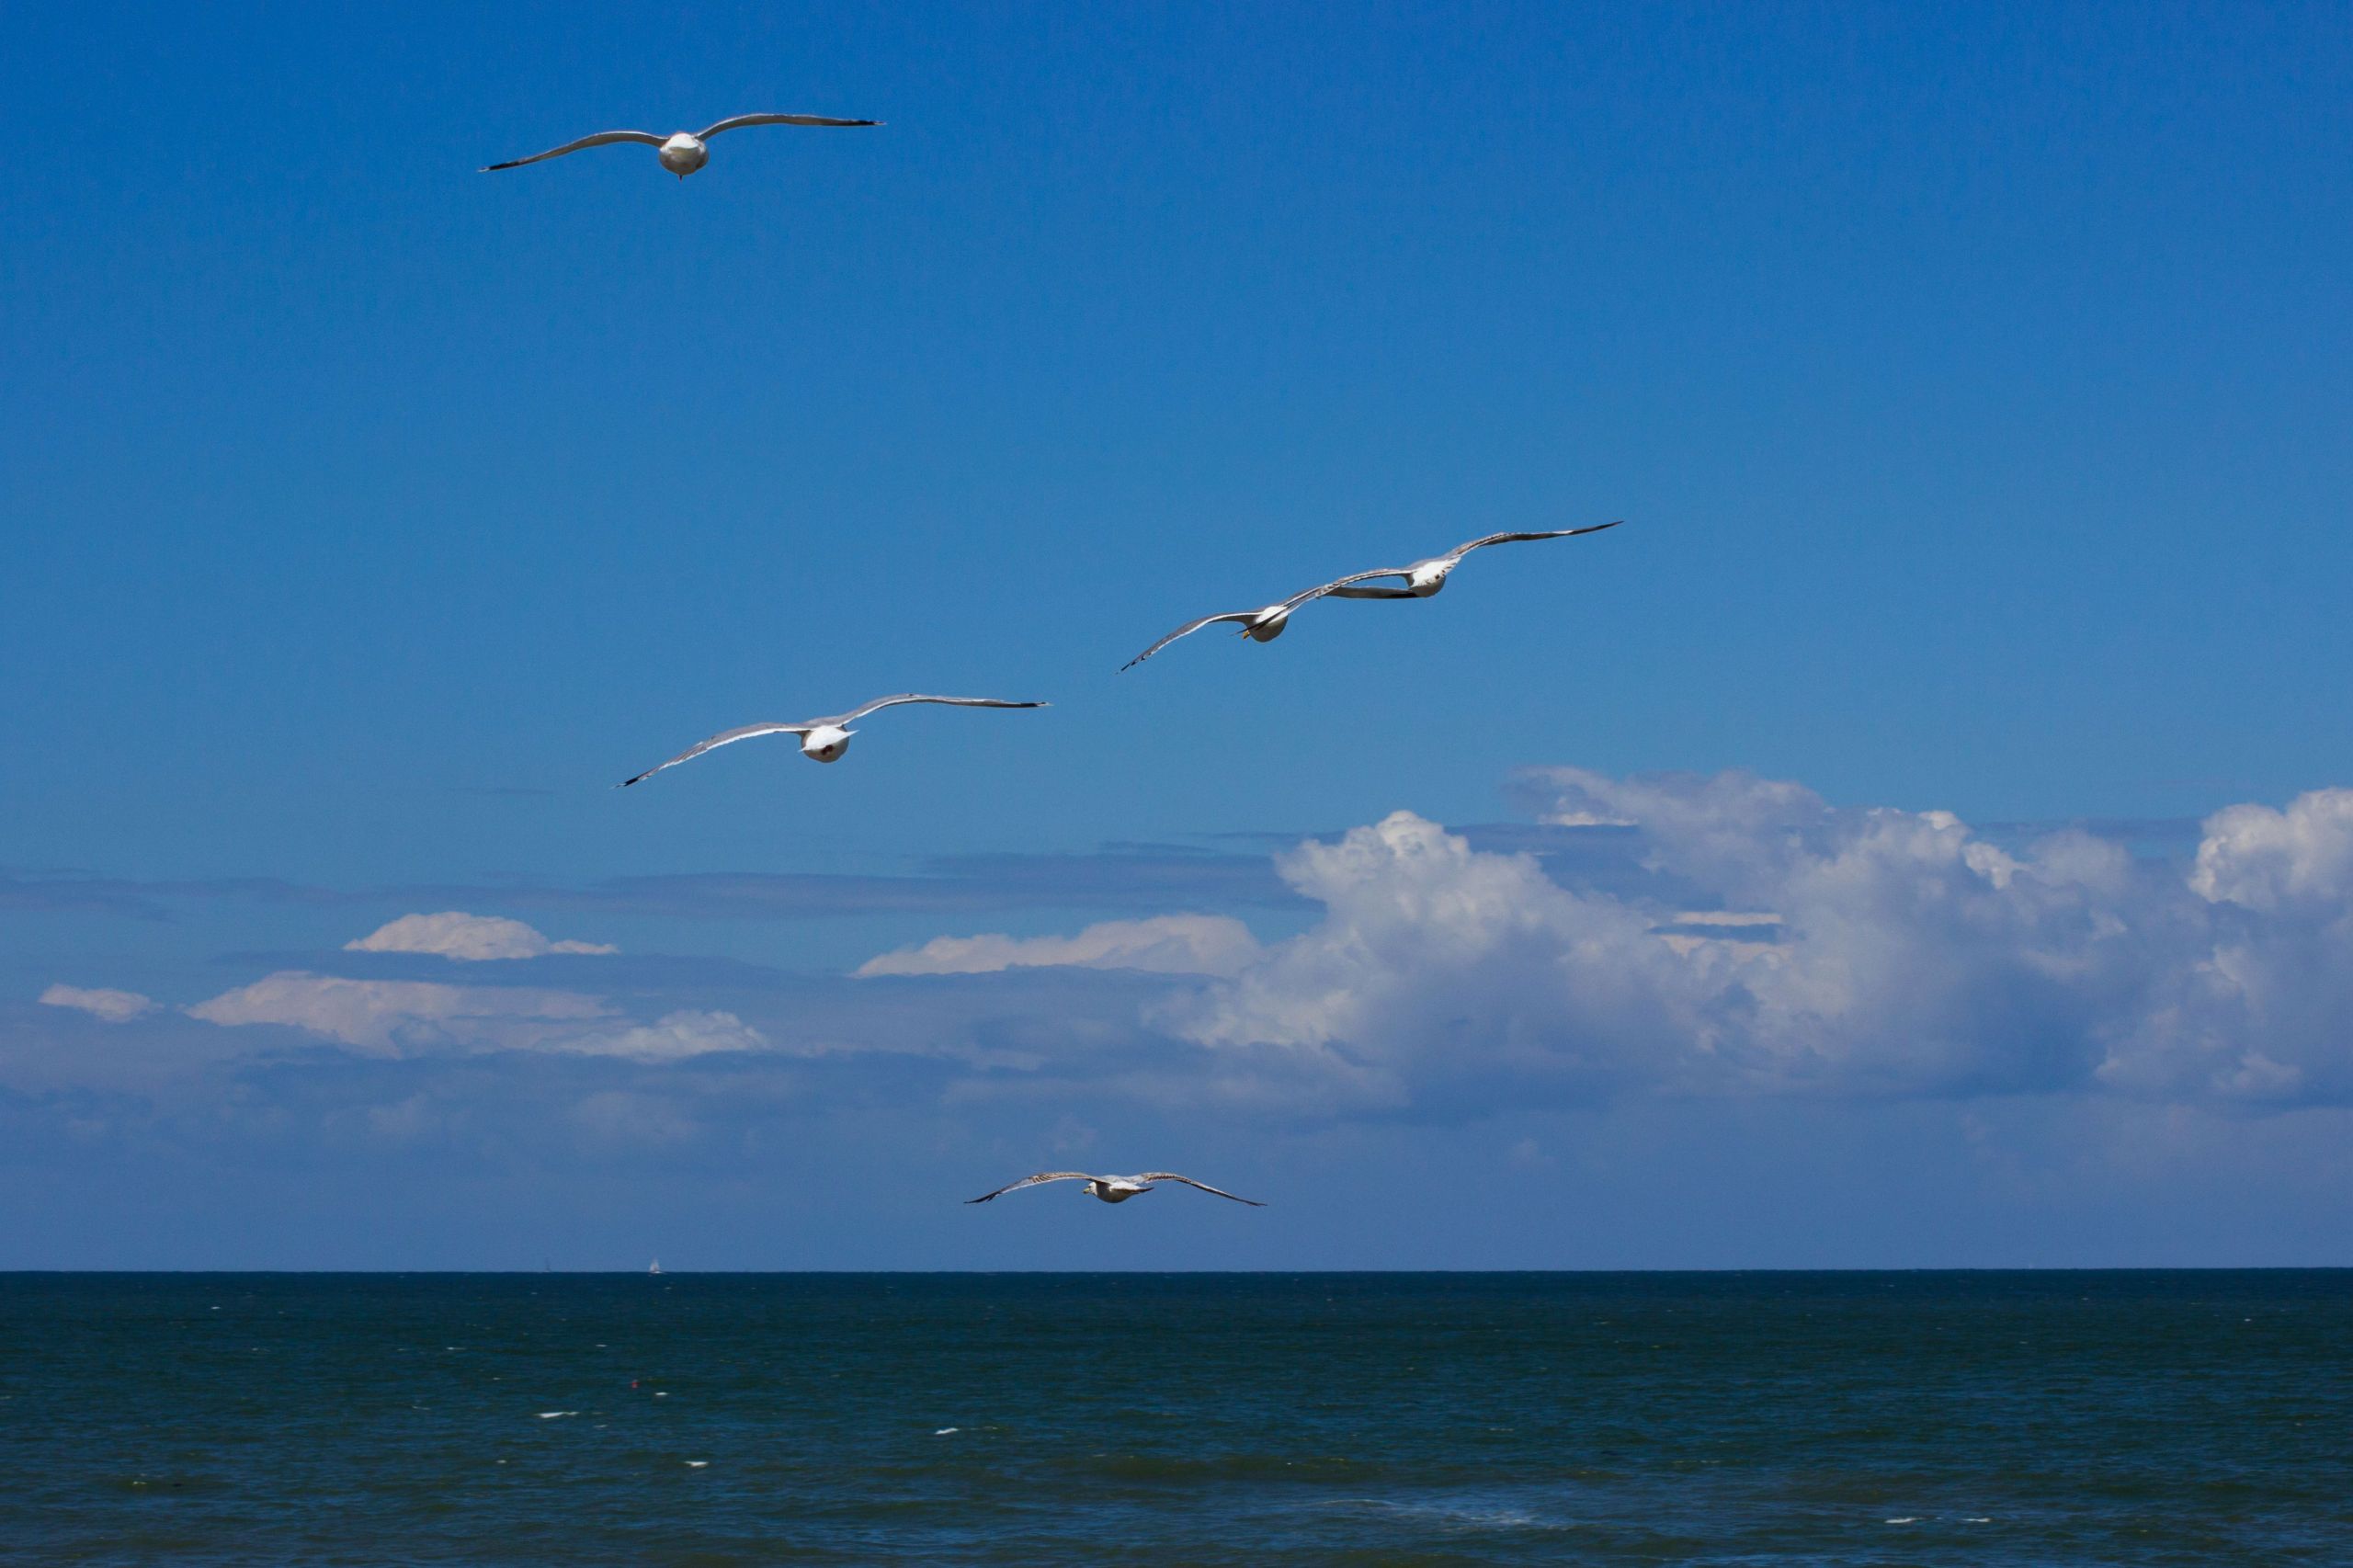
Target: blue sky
{"x": 1975, "y": 381}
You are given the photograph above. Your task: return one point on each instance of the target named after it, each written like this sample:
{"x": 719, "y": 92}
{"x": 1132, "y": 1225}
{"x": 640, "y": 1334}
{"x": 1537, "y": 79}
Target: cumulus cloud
{"x": 407, "y": 1017}
{"x": 470, "y": 938}
{"x": 1168, "y": 944}
{"x": 2298, "y": 859}
{"x": 114, "y": 1007}
{"x": 1852, "y": 951}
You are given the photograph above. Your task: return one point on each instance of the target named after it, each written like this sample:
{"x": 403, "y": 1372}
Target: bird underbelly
{"x": 826, "y": 746}
{"x": 1268, "y": 632}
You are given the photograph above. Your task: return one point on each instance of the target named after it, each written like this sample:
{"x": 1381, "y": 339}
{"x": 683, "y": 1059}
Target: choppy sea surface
{"x": 2192, "y": 1418}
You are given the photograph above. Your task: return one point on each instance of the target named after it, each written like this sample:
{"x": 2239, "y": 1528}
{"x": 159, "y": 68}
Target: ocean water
{"x": 2196, "y": 1417}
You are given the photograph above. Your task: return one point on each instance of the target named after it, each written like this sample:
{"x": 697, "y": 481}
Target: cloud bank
{"x": 1678, "y": 936}
{"x": 1858, "y": 953}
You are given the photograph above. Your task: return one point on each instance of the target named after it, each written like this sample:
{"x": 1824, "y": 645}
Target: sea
{"x": 1738, "y": 1419}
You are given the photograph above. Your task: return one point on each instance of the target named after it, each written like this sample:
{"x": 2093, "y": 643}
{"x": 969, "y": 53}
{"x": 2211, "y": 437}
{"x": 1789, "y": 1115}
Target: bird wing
{"x": 736, "y": 121}
{"x": 1186, "y": 630}
{"x": 1514, "y": 539}
{"x": 599, "y": 140}
{"x": 1031, "y": 1181}
{"x": 1377, "y": 592}
{"x": 1332, "y": 587}
{"x": 863, "y": 708}
{"x": 1188, "y": 1181}
{"x": 725, "y": 737}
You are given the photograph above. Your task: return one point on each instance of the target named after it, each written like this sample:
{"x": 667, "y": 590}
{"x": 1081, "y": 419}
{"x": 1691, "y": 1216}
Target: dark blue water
{"x": 1752, "y": 1419}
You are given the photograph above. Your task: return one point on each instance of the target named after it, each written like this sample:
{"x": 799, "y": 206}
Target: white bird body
{"x": 1270, "y": 623}
{"x": 1112, "y": 1188}
{"x": 681, "y": 152}
{"x": 826, "y": 743}
{"x": 683, "y": 155}
{"x": 1423, "y": 578}
{"x": 822, "y": 740}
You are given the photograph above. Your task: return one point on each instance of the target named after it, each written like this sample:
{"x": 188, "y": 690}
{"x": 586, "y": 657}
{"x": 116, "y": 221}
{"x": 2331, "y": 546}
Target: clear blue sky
{"x": 1977, "y": 383}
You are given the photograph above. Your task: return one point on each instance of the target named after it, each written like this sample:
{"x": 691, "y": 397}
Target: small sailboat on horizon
{"x": 656, "y": 1268}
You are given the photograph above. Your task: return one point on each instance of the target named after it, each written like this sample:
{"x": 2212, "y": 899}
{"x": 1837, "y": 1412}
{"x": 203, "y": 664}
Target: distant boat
{"x": 656, "y": 1268}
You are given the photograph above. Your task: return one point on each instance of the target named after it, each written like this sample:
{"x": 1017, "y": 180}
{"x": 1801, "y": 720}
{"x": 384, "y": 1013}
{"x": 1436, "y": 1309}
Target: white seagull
{"x": 1423, "y": 578}
{"x": 682, "y": 152}
{"x": 1112, "y": 1188}
{"x": 822, "y": 740}
{"x": 1260, "y": 625}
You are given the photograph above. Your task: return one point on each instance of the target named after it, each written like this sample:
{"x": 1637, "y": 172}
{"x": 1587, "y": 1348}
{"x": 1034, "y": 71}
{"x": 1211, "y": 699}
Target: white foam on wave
{"x": 697, "y": 1464}
{"x": 1454, "y": 1516}
{"x": 551, "y": 1415}
{"x": 945, "y": 1430}
{"x": 1906, "y": 1519}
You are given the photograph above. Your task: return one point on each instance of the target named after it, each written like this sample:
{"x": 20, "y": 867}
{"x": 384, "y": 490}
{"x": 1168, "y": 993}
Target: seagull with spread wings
{"x": 1423, "y": 578}
{"x": 1259, "y": 625}
{"x": 822, "y": 740}
{"x": 683, "y": 152}
{"x": 1112, "y": 1188}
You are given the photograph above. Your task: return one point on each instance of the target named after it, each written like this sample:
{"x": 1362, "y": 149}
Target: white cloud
{"x": 1908, "y": 956}
{"x": 671, "y": 1037}
{"x": 402, "y": 1017}
{"x": 2300, "y": 858}
{"x": 467, "y": 937}
{"x": 114, "y": 1007}
{"x": 1168, "y": 944}
{"x": 393, "y": 1018}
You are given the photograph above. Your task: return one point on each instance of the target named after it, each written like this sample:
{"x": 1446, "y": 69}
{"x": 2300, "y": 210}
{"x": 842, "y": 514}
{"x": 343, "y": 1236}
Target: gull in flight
{"x": 822, "y": 740}
{"x": 1112, "y": 1188}
{"x": 1260, "y": 625}
{"x": 682, "y": 152}
{"x": 1423, "y": 578}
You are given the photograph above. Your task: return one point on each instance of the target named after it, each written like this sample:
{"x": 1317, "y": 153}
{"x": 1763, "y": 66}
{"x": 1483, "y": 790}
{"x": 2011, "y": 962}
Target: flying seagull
{"x": 822, "y": 740}
{"x": 1423, "y": 578}
{"x": 682, "y": 152}
{"x": 1259, "y": 625}
{"x": 1112, "y": 1188}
